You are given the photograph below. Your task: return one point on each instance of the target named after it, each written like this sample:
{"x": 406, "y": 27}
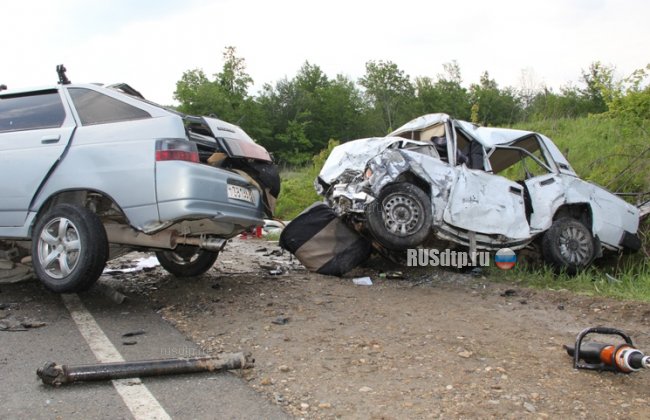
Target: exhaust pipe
{"x": 211, "y": 244}
{"x": 125, "y": 235}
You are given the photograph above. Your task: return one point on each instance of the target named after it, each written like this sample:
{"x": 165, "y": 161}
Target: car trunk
{"x": 227, "y": 146}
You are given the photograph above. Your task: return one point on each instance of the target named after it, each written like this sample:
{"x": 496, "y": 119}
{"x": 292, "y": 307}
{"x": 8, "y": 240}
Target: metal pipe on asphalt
{"x": 53, "y": 374}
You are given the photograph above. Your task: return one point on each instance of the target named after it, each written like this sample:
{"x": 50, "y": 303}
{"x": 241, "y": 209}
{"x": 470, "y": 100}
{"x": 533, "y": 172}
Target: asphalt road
{"x": 22, "y": 395}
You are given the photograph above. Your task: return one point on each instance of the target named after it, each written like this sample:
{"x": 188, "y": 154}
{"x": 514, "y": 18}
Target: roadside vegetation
{"x": 601, "y": 123}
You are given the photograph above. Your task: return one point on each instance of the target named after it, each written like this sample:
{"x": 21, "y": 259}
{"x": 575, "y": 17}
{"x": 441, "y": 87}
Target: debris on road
{"x": 508, "y": 293}
{"x": 109, "y": 292}
{"x": 133, "y": 333}
{"x": 277, "y": 271}
{"x": 11, "y": 272}
{"x": 281, "y": 320}
{"x": 395, "y": 275}
{"x": 362, "y": 281}
{"x": 54, "y": 374}
{"x": 142, "y": 264}
{"x": 11, "y": 323}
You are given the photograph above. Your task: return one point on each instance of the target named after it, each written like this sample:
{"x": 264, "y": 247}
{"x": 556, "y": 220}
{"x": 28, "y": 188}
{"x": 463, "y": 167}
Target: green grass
{"x": 630, "y": 280}
{"x": 297, "y": 192}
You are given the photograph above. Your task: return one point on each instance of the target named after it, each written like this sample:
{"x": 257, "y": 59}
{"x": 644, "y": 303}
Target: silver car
{"x": 91, "y": 172}
{"x": 440, "y": 180}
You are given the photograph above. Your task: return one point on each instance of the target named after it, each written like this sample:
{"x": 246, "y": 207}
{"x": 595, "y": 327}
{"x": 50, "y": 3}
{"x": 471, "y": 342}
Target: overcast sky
{"x": 150, "y": 43}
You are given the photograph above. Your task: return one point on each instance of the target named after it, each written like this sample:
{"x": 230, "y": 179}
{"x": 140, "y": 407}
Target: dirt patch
{"x": 434, "y": 344}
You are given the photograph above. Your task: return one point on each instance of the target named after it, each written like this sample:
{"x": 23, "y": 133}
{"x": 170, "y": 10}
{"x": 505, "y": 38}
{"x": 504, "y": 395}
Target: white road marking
{"x": 136, "y": 395}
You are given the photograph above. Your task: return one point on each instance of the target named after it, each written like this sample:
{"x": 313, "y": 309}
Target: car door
{"x": 547, "y": 194}
{"x": 35, "y": 129}
{"x": 485, "y": 203}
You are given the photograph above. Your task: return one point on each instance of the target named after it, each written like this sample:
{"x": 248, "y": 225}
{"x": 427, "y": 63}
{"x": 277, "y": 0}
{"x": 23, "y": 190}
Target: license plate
{"x": 240, "y": 193}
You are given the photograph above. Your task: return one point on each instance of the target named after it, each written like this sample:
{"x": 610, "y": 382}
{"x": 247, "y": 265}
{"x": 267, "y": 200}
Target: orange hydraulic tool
{"x": 623, "y": 358}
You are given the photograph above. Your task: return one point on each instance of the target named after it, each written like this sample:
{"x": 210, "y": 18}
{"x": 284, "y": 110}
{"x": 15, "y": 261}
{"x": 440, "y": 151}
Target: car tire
{"x": 568, "y": 246}
{"x": 187, "y": 261}
{"x": 69, "y": 248}
{"x": 401, "y": 217}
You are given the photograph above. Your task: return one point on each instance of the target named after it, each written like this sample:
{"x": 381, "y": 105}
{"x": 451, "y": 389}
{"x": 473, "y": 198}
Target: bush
{"x": 298, "y": 190}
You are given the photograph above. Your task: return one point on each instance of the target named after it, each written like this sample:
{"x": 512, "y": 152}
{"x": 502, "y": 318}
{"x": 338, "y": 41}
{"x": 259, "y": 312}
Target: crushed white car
{"x": 438, "y": 180}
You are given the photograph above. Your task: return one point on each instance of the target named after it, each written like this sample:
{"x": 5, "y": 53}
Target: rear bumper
{"x": 189, "y": 191}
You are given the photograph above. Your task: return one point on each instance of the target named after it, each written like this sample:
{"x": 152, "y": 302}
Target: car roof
{"x": 492, "y": 136}
{"x": 11, "y": 92}
{"x": 487, "y": 136}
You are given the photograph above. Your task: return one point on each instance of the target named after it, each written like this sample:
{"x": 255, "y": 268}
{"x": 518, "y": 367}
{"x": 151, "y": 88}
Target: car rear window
{"x": 96, "y": 108}
{"x": 30, "y": 112}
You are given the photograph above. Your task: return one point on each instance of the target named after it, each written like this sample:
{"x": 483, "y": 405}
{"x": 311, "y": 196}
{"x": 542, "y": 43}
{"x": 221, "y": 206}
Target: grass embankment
{"x": 603, "y": 151}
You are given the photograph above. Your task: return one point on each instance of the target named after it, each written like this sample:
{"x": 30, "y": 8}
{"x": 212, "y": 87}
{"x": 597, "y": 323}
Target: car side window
{"x": 31, "y": 111}
{"x": 96, "y": 108}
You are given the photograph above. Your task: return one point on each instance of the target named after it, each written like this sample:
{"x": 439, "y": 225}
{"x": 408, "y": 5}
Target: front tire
{"x": 69, "y": 248}
{"x": 401, "y": 217}
{"x": 187, "y": 261}
{"x": 568, "y": 245}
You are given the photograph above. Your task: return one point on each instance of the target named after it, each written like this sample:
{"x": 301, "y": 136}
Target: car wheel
{"x": 401, "y": 216}
{"x": 69, "y": 248}
{"x": 568, "y": 245}
{"x": 187, "y": 261}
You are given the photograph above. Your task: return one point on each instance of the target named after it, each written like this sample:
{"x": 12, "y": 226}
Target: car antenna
{"x": 3, "y": 87}
{"x": 63, "y": 79}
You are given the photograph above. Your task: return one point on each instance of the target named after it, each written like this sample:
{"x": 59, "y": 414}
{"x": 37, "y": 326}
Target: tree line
{"x": 295, "y": 118}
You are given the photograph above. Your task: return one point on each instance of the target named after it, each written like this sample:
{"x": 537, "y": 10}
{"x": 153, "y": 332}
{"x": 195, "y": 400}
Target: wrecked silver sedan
{"x": 437, "y": 180}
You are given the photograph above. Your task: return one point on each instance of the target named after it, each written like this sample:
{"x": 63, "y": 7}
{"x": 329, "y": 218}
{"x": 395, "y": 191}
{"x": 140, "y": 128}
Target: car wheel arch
{"x": 578, "y": 211}
{"x": 94, "y": 200}
{"x": 414, "y": 179}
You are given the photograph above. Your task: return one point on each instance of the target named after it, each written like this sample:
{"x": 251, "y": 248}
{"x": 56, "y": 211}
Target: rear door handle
{"x": 516, "y": 191}
{"x": 51, "y": 139}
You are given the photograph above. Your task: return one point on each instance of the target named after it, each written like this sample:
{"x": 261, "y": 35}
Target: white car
{"x": 441, "y": 179}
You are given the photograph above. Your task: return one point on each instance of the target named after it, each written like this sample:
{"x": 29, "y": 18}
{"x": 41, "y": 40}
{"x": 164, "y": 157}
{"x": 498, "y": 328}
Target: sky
{"x": 150, "y": 43}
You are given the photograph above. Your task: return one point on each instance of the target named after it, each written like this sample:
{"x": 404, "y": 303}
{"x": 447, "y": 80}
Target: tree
{"x": 233, "y": 77}
{"x": 225, "y": 96}
{"x": 388, "y": 89}
{"x": 309, "y": 110}
{"x": 599, "y": 86}
{"x": 495, "y": 106}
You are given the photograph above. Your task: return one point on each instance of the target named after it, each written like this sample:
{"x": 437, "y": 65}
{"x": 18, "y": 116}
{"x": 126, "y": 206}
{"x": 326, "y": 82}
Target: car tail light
{"x": 176, "y": 149}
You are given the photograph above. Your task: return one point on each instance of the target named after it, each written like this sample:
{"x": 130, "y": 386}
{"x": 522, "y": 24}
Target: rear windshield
{"x": 36, "y": 110}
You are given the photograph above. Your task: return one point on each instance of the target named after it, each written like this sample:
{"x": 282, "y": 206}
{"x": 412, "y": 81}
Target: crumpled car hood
{"x": 354, "y": 155}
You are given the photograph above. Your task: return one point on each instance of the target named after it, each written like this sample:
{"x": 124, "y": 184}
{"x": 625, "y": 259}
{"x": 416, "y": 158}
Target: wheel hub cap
{"x": 59, "y": 247}
{"x": 574, "y": 246}
{"x": 401, "y": 215}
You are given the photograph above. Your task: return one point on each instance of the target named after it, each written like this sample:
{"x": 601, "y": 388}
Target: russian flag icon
{"x": 505, "y": 258}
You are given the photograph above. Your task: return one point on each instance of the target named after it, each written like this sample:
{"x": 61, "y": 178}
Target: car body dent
{"x": 480, "y": 202}
{"x": 611, "y": 215}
